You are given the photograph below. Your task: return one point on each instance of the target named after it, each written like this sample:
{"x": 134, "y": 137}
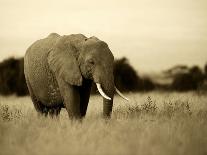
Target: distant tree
{"x": 177, "y": 70}
{"x": 205, "y": 70}
{"x": 12, "y": 77}
{"x": 21, "y": 88}
{"x": 145, "y": 84}
{"x": 188, "y": 81}
{"x": 197, "y": 74}
{"x": 8, "y": 70}
{"x": 126, "y": 78}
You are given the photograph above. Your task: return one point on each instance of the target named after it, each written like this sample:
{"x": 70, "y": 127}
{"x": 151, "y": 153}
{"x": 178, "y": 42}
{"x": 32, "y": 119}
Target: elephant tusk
{"x": 120, "y": 94}
{"x": 102, "y": 92}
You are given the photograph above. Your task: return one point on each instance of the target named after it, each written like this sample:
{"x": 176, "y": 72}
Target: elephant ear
{"x": 62, "y": 62}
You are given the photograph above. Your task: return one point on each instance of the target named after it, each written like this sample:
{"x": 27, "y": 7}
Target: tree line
{"x": 12, "y": 80}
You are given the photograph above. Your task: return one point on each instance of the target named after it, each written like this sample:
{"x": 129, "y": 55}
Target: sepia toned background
{"x": 161, "y": 66}
{"x": 153, "y": 35}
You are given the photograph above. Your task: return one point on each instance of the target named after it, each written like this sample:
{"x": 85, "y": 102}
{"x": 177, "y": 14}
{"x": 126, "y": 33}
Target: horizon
{"x": 154, "y": 36}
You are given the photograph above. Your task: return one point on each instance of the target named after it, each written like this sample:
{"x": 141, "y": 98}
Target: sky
{"x": 153, "y": 35}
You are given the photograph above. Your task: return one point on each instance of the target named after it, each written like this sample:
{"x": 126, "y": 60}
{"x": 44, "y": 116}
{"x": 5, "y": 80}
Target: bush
{"x": 188, "y": 81}
{"x": 125, "y": 77}
{"x": 21, "y": 88}
{"x": 145, "y": 84}
{"x": 12, "y": 77}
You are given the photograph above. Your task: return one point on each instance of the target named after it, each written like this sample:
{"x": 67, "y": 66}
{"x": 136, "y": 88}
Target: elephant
{"x": 59, "y": 71}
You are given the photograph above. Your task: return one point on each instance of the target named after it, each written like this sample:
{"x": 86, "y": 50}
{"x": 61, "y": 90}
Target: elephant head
{"x": 75, "y": 58}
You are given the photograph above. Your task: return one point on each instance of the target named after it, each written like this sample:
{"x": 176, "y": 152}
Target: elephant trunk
{"x": 109, "y": 89}
{"x": 107, "y": 107}
{"x": 107, "y": 101}
{"x": 105, "y": 83}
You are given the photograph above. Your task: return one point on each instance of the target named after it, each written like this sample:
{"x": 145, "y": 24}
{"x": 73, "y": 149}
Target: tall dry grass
{"x": 151, "y": 123}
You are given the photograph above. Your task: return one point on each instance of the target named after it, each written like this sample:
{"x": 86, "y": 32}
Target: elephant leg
{"x": 71, "y": 98}
{"x": 37, "y": 104}
{"x": 84, "y": 96}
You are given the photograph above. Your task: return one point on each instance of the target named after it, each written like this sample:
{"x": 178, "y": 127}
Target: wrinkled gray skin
{"x": 59, "y": 71}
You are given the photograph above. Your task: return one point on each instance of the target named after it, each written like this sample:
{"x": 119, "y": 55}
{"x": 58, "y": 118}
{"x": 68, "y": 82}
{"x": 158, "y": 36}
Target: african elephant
{"x": 59, "y": 71}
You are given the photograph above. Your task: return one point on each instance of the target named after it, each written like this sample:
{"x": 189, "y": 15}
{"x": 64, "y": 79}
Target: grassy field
{"x": 151, "y": 123}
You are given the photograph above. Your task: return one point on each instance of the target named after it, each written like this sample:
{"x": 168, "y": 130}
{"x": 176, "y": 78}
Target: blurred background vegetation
{"x": 127, "y": 79}
{"x": 12, "y": 78}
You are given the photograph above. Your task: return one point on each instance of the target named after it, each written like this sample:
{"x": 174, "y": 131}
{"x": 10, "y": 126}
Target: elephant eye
{"x": 90, "y": 61}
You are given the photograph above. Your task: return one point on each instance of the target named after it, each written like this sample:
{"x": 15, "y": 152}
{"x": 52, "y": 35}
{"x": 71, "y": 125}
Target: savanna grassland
{"x": 157, "y": 123}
